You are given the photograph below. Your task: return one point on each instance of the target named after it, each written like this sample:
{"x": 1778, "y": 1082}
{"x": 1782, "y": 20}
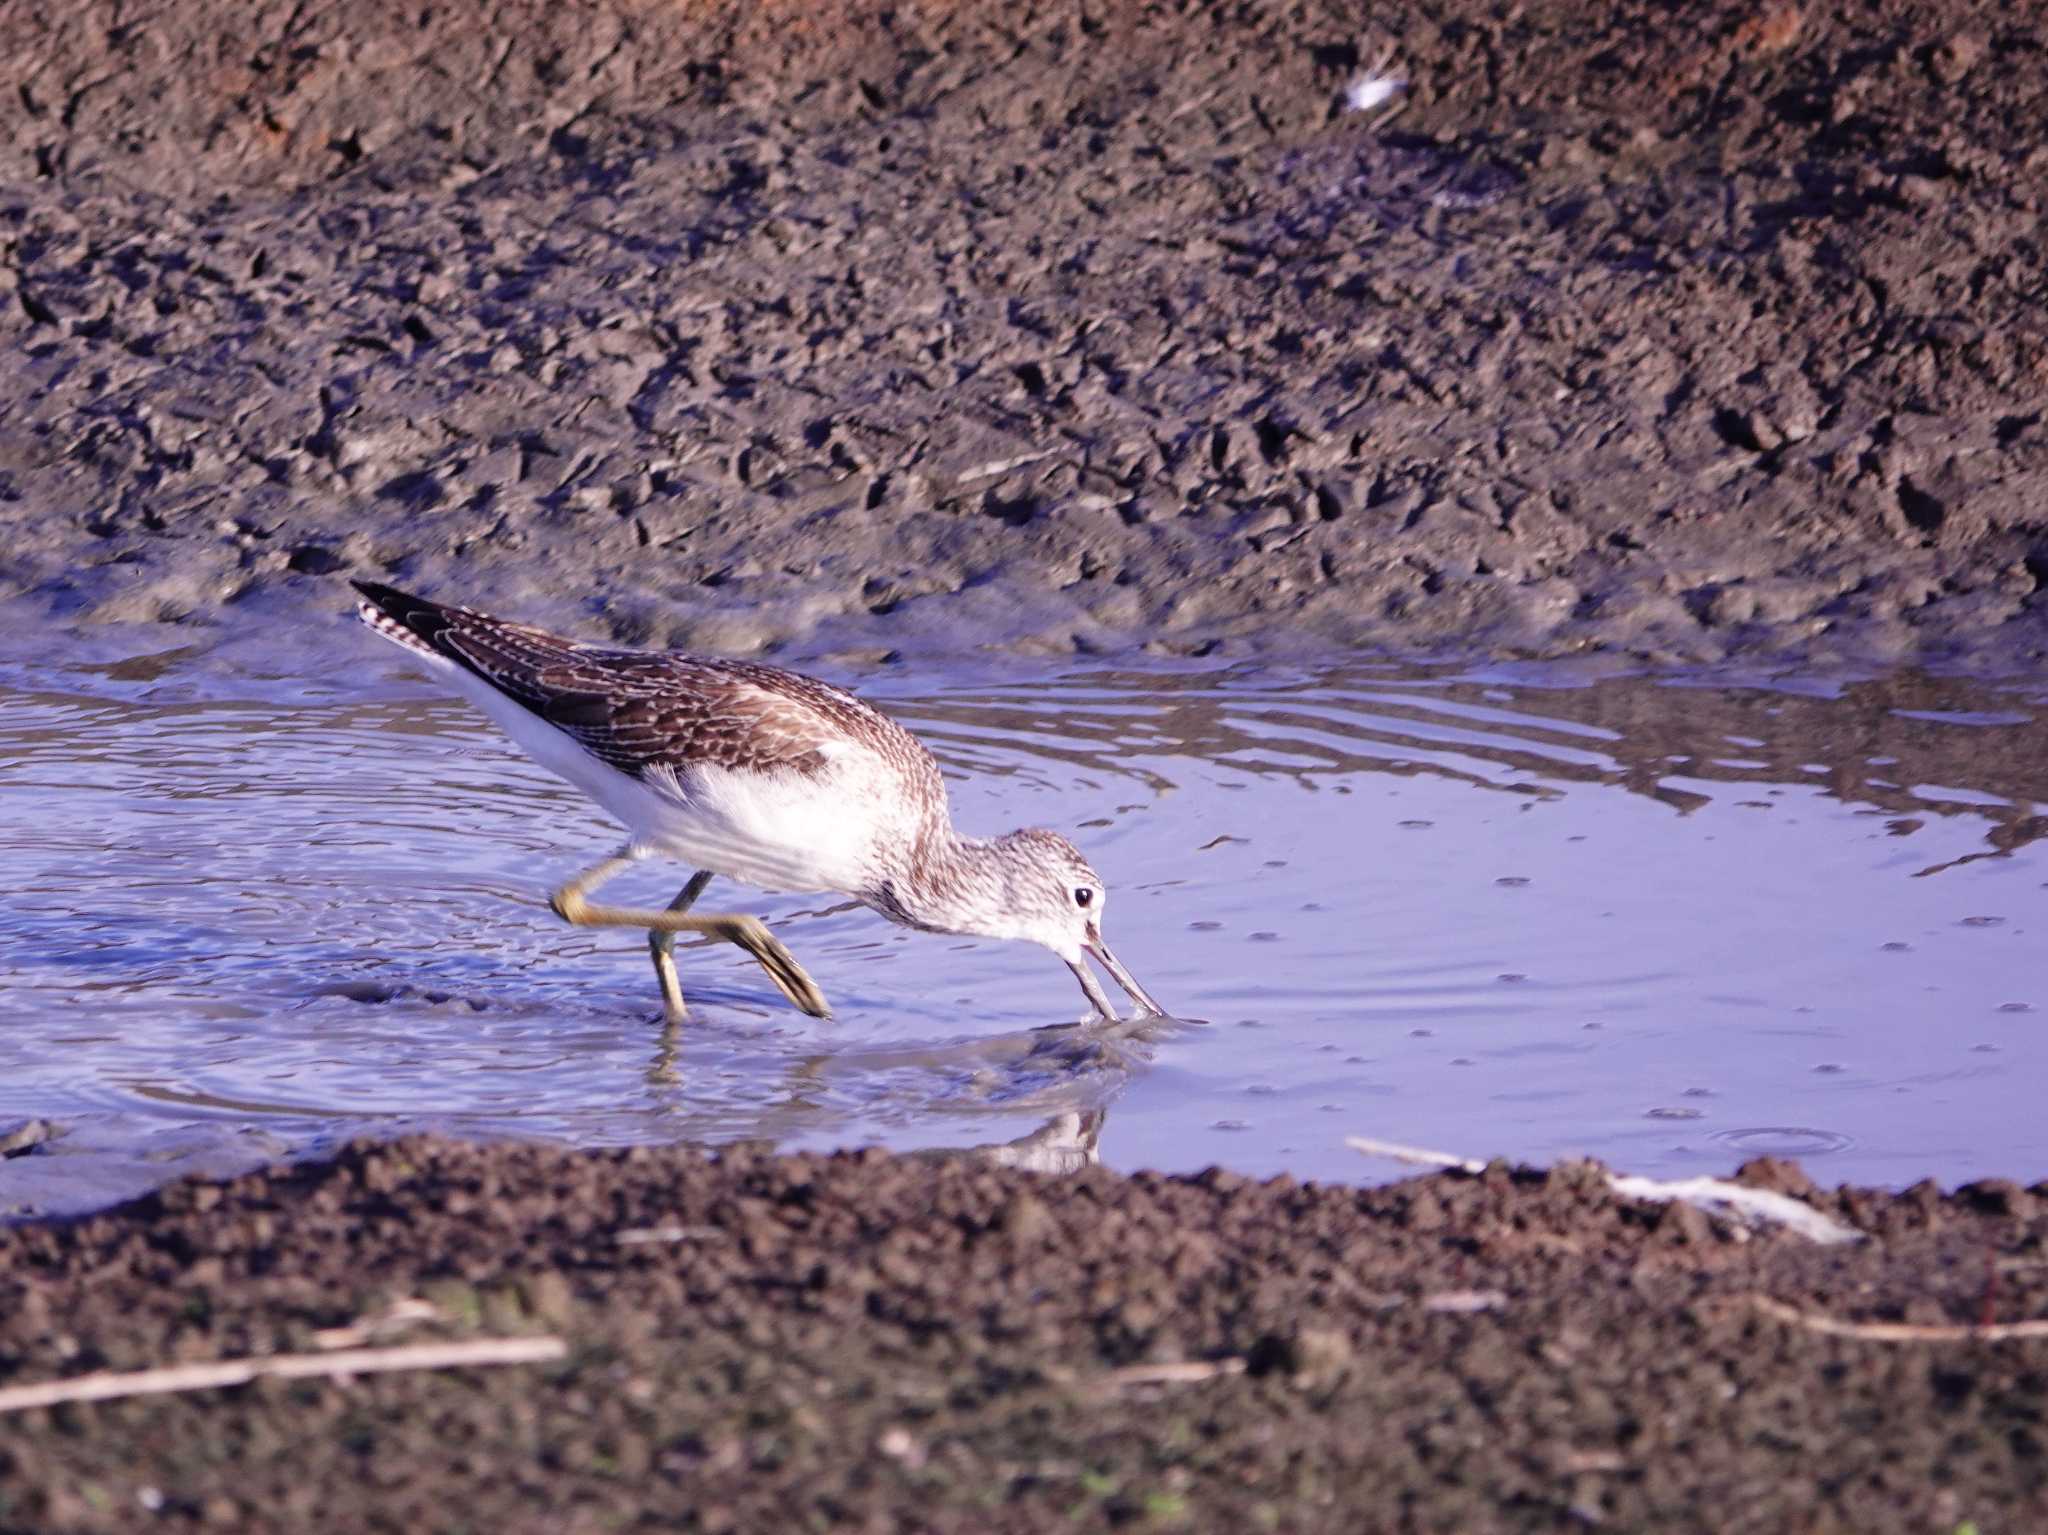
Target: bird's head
{"x": 1054, "y": 898}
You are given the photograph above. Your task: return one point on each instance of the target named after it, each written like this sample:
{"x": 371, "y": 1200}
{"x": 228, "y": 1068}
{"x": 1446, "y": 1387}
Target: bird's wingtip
{"x": 377, "y": 592}
{"x": 402, "y": 619}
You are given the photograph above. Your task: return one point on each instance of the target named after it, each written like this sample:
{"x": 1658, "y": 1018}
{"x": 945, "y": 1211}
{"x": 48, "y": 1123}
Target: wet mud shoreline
{"x": 875, "y": 1342}
{"x": 855, "y": 331}
{"x": 862, "y": 329}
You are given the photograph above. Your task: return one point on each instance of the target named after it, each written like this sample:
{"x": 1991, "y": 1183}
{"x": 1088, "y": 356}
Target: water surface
{"x": 1667, "y": 923}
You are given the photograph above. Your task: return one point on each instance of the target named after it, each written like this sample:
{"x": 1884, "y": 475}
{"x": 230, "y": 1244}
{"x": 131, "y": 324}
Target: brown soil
{"x": 868, "y": 1342}
{"x": 851, "y": 326}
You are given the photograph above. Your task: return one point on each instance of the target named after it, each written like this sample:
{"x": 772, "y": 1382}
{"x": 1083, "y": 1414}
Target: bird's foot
{"x": 752, "y": 934}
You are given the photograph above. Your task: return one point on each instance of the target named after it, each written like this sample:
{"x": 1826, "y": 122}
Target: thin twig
{"x": 1898, "y": 1332}
{"x": 641, "y": 1236}
{"x": 239, "y": 1372}
{"x": 1415, "y": 1155}
{"x": 1180, "y": 1373}
{"x": 1464, "y": 1302}
{"x": 407, "y": 1311}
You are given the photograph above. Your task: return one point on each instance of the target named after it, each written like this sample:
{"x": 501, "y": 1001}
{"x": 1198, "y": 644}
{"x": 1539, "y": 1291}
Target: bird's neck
{"x": 949, "y": 884}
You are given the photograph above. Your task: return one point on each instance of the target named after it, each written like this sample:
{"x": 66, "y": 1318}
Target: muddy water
{"x": 1666, "y": 923}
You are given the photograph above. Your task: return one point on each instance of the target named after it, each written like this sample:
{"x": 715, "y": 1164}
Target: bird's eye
{"x": 1084, "y": 897}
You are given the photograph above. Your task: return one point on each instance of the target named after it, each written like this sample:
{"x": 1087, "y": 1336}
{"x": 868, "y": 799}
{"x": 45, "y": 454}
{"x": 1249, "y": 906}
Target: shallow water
{"x": 1491, "y": 911}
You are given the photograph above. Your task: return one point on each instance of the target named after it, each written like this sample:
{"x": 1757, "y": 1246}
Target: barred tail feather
{"x": 411, "y": 622}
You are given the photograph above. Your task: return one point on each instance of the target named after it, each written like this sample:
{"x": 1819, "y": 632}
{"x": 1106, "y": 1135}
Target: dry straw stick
{"x": 1898, "y": 1332}
{"x": 239, "y": 1372}
{"x": 1179, "y": 1372}
{"x": 1414, "y": 1156}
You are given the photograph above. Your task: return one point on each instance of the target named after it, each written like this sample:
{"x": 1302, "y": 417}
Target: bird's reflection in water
{"x": 1073, "y": 1072}
{"x": 1064, "y": 1144}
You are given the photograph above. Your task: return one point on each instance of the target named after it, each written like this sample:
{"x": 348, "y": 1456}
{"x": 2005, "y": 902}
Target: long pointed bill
{"x": 1123, "y": 978}
{"x": 1093, "y": 988}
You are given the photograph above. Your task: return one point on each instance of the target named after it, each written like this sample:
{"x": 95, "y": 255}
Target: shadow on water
{"x": 1671, "y": 922}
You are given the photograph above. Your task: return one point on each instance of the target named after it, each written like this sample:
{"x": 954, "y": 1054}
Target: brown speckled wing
{"x": 638, "y": 710}
{"x": 642, "y": 710}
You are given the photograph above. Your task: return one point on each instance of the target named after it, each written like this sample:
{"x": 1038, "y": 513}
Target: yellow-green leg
{"x": 749, "y": 933}
{"x": 662, "y": 945}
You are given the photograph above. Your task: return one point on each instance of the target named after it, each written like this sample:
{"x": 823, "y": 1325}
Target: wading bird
{"x": 759, "y": 774}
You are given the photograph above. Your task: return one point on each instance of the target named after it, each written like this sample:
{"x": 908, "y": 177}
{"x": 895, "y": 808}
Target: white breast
{"x": 779, "y": 831}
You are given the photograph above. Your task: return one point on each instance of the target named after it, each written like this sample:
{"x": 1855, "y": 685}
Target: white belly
{"x": 779, "y": 831}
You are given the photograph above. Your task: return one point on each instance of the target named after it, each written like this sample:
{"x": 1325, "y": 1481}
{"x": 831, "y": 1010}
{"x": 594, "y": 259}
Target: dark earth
{"x": 922, "y": 1343}
{"x": 844, "y": 327}
{"x": 1697, "y": 334}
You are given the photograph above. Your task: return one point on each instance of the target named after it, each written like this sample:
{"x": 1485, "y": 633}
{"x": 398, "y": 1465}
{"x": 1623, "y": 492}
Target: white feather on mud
{"x": 1369, "y": 92}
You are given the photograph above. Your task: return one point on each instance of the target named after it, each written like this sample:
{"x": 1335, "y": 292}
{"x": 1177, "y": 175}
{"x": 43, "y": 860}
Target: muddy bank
{"x": 867, "y": 329}
{"x": 872, "y": 1342}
